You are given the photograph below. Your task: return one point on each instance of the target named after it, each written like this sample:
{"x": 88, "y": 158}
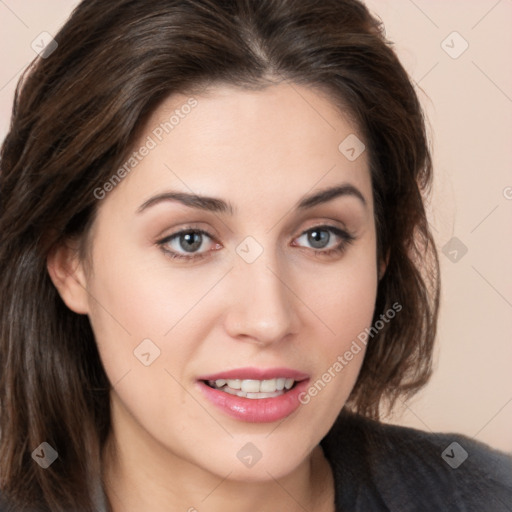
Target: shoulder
{"x": 411, "y": 470}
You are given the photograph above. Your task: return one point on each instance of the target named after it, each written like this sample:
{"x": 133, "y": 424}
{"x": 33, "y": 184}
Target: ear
{"x": 383, "y": 265}
{"x": 67, "y": 274}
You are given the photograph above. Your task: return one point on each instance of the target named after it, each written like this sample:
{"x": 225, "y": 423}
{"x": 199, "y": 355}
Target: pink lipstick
{"x": 254, "y": 394}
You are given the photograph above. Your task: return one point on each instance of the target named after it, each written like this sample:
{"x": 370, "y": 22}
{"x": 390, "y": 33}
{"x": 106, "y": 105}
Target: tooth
{"x": 268, "y": 386}
{"x": 280, "y": 384}
{"x": 251, "y": 386}
{"x": 234, "y": 383}
{"x": 263, "y": 395}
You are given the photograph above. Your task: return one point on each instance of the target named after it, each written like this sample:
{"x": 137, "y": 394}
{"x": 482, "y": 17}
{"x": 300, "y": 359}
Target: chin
{"x": 258, "y": 459}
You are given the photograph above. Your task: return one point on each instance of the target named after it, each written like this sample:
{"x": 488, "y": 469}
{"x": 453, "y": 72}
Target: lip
{"x": 261, "y": 410}
{"x": 257, "y": 374}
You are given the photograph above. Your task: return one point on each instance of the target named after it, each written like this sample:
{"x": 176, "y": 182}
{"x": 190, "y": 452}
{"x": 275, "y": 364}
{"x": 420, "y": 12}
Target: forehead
{"x": 282, "y": 141}
{"x": 284, "y": 115}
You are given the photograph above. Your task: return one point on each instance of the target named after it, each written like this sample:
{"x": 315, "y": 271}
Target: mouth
{"x": 255, "y": 395}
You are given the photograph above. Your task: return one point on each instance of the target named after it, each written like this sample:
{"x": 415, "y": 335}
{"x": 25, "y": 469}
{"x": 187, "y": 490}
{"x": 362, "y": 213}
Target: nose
{"x": 262, "y": 305}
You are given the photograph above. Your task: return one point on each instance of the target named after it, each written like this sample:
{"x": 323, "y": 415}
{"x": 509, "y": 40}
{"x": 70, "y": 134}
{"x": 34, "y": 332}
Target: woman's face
{"x": 257, "y": 297}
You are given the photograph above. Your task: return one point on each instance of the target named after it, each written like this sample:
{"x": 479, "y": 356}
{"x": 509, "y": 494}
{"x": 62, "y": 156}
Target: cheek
{"x": 343, "y": 302}
{"x": 139, "y": 295}
{"x": 343, "y": 295}
{"x": 147, "y": 292}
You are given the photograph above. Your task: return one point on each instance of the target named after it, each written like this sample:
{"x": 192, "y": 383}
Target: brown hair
{"x": 75, "y": 116}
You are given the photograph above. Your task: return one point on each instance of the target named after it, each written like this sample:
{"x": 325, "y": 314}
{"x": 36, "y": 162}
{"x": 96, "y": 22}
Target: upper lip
{"x": 257, "y": 374}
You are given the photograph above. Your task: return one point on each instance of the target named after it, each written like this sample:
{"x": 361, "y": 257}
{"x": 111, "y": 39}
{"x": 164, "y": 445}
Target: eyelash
{"x": 346, "y": 237}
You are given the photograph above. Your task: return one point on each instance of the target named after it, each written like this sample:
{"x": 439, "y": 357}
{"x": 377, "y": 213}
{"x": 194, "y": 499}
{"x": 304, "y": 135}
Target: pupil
{"x": 193, "y": 239}
{"x": 315, "y": 238}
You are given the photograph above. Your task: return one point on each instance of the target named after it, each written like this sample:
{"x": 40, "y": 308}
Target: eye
{"x": 320, "y": 236}
{"x": 185, "y": 244}
{"x": 188, "y": 240}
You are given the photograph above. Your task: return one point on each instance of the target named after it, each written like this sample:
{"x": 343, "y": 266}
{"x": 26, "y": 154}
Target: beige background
{"x": 468, "y": 101}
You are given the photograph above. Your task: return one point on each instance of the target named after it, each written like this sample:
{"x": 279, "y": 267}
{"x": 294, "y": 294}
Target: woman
{"x": 217, "y": 270}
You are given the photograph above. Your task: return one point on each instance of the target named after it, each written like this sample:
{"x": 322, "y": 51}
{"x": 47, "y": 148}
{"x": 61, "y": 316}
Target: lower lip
{"x": 257, "y": 410}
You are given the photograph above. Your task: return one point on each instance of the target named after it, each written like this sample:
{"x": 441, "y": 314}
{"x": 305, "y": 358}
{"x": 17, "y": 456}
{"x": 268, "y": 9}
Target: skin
{"x": 170, "y": 448}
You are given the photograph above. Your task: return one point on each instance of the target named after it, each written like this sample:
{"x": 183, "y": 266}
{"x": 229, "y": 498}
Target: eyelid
{"x": 187, "y": 226}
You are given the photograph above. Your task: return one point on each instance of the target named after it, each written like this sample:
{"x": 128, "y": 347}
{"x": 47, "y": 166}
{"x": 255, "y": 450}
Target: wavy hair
{"x": 75, "y": 118}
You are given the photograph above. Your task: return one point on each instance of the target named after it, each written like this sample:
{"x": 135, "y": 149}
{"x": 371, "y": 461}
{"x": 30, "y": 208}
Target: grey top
{"x": 386, "y": 468}
{"x": 380, "y": 467}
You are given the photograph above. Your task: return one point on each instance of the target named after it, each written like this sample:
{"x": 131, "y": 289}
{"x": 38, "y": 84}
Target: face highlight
{"x": 230, "y": 269}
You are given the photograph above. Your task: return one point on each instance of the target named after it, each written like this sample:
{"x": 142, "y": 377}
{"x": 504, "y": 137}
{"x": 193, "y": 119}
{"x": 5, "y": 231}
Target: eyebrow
{"x": 217, "y": 205}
